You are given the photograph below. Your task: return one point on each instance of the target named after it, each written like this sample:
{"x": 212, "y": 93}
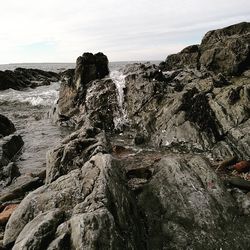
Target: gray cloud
{"x": 124, "y": 30}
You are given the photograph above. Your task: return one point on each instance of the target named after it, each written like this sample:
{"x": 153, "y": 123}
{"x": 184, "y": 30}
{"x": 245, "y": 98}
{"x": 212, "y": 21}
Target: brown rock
{"x": 242, "y": 166}
{"x": 6, "y": 213}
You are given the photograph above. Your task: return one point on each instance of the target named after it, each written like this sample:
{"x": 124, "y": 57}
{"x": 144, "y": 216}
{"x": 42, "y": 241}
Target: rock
{"x": 185, "y": 204}
{"x": 37, "y": 233}
{"x": 22, "y": 78}
{"x": 8, "y": 173}
{"x": 188, "y": 57}
{"x": 19, "y": 187}
{"x": 241, "y": 167}
{"x": 226, "y": 50}
{"x": 239, "y": 183}
{"x": 100, "y": 210}
{"x": 85, "y": 97}
{"x": 90, "y": 67}
{"x": 6, "y": 213}
{"x": 223, "y": 51}
{"x": 243, "y": 201}
{"x": 6, "y": 126}
{"x": 74, "y": 152}
{"x": 9, "y": 147}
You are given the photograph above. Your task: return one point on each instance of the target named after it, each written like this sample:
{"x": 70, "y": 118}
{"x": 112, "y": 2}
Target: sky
{"x": 125, "y": 30}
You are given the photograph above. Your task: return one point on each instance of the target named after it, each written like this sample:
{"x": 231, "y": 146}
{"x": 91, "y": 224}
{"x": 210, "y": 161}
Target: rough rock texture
{"x": 224, "y": 51}
{"x": 86, "y": 97}
{"x": 76, "y": 149}
{"x": 187, "y": 207}
{"x": 185, "y": 111}
{"x": 9, "y": 147}
{"x": 22, "y": 78}
{"x": 6, "y": 213}
{"x": 98, "y": 211}
{"x": 6, "y": 126}
{"x": 188, "y": 57}
{"x": 162, "y": 193}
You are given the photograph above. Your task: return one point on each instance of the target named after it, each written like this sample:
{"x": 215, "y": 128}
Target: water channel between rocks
{"x": 28, "y": 110}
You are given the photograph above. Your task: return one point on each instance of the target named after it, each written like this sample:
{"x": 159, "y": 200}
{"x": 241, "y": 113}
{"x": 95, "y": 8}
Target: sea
{"x": 29, "y": 111}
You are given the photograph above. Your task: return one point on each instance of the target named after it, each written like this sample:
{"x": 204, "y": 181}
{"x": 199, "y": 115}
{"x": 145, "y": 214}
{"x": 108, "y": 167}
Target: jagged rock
{"x": 188, "y": 57}
{"x": 243, "y": 201}
{"x": 185, "y": 204}
{"x": 22, "y": 78}
{"x": 6, "y": 126}
{"x": 226, "y": 50}
{"x": 37, "y": 233}
{"x": 85, "y": 97}
{"x": 8, "y": 173}
{"x": 6, "y": 213}
{"x": 19, "y": 187}
{"x": 74, "y": 151}
{"x": 198, "y": 117}
{"x": 223, "y": 51}
{"x": 9, "y": 147}
{"x": 100, "y": 210}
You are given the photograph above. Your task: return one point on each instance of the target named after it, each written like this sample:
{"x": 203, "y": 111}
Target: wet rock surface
{"x": 175, "y": 176}
{"x": 6, "y": 126}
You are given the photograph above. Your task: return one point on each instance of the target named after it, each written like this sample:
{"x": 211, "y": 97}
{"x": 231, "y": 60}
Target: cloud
{"x": 61, "y": 30}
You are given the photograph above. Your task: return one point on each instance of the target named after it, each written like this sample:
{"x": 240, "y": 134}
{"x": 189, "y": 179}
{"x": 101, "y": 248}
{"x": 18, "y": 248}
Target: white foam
{"x": 119, "y": 79}
{"x": 40, "y": 96}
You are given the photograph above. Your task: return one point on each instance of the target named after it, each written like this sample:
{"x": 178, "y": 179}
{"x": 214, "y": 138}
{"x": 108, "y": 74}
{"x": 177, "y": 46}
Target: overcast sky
{"x": 61, "y": 30}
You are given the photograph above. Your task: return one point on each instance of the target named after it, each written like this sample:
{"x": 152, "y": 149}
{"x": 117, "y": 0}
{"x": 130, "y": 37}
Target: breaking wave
{"x": 40, "y": 96}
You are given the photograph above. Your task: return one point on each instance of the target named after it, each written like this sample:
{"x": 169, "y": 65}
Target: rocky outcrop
{"x": 188, "y": 57}
{"x": 74, "y": 151}
{"x": 87, "y": 208}
{"x": 86, "y": 97}
{"x": 9, "y": 147}
{"x": 224, "y": 51}
{"x": 22, "y": 78}
{"x": 6, "y": 126}
{"x": 165, "y": 192}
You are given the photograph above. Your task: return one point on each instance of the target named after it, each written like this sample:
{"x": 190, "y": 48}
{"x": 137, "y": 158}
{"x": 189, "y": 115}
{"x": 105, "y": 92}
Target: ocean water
{"x": 29, "y": 109}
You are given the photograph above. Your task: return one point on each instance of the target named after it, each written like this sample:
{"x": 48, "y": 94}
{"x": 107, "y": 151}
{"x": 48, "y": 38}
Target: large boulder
{"x": 6, "y": 126}
{"x": 188, "y": 57}
{"x": 186, "y": 206}
{"x": 9, "y": 147}
{"x": 85, "y": 96}
{"x": 225, "y": 50}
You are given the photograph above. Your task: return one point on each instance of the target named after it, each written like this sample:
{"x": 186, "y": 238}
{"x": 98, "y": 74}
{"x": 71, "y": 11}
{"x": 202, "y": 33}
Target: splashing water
{"x": 40, "y": 96}
{"x": 119, "y": 79}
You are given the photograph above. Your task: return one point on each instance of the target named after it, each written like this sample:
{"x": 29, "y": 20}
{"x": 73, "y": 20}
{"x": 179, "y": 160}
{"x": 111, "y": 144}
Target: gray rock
{"x": 19, "y": 187}
{"x": 22, "y": 78}
{"x": 188, "y": 57}
{"x": 9, "y": 147}
{"x": 86, "y": 96}
{"x": 226, "y": 50}
{"x": 187, "y": 207}
{"x": 8, "y": 173}
{"x": 37, "y": 233}
{"x": 99, "y": 210}
{"x": 6, "y": 126}
{"x": 74, "y": 151}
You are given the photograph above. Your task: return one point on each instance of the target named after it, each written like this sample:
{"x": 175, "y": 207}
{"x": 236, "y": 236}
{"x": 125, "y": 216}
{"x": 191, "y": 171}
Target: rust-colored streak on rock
{"x": 6, "y": 213}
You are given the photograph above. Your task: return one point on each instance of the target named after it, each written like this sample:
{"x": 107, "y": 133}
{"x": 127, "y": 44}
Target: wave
{"x": 40, "y": 96}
